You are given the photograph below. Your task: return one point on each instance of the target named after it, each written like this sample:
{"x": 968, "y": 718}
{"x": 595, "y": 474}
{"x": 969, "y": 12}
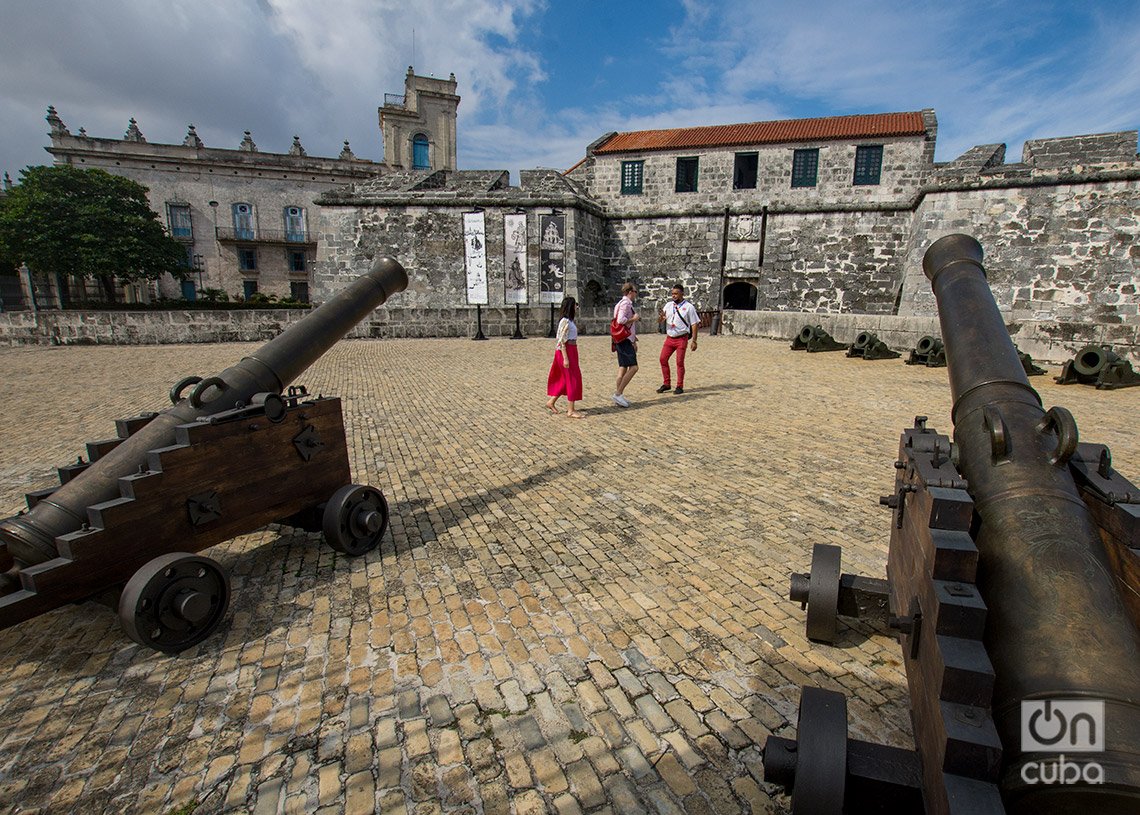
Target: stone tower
{"x": 419, "y": 127}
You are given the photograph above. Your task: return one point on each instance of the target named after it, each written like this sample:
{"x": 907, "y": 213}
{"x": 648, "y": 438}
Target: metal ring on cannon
{"x": 203, "y": 386}
{"x": 181, "y": 385}
{"x": 1060, "y": 421}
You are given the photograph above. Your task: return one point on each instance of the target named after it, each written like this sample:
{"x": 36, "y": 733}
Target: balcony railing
{"x": 228, "y": 234}
{"x": 394, "y": 100}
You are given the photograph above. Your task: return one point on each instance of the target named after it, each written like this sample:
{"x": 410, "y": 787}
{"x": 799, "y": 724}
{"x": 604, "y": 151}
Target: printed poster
{"x": 514, "y": 258}
{"x": 475, "y": 255}
{"x": 552, "y": 257}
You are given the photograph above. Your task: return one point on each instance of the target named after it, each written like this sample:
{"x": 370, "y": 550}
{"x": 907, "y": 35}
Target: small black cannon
{"x": 867, "y": 345}
{"x": 928, "y": 351}
{"x": 229, "y": 458}
{"x": 1098, "y": 365}
{"x": 813, "y": 338}
{"x": 1013, "y": 583}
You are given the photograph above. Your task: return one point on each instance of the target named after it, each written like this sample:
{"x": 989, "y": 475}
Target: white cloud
{"x": 276, "y": 67}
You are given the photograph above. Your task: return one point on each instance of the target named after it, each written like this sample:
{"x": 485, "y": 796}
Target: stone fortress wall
{"x": 1060, "y": 230}
{"x": 418, "y": 219}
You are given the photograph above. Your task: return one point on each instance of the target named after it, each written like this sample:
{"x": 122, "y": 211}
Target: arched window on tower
{"x": 420, "y": 160}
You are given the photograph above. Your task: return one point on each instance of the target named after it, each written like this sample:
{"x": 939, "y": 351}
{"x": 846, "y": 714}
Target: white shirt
{"x": 567, "y": 330}
{"x": 676, "y": 314}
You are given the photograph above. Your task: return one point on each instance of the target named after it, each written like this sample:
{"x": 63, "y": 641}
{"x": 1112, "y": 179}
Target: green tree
{"x": 88, "y": 223}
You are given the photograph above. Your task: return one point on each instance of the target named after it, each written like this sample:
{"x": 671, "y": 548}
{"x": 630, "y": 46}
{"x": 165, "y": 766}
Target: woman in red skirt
{"x": 565, "y": 378}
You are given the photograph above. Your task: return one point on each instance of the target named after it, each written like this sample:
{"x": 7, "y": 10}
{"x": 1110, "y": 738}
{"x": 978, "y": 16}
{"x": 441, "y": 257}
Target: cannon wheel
{"x": 821, "y": 761}
{"x": 355, "y": 519}
{"x": 174, "y": 602}
{"x": 823, "y": 594}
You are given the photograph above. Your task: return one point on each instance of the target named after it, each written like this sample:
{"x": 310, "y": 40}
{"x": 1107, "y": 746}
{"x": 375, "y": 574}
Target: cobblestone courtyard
{"x": 566, "y": 616}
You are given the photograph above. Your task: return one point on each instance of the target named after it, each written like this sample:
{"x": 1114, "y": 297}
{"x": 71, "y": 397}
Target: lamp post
{"x": 217, "y": 243}
{"x": 198, "y": 269}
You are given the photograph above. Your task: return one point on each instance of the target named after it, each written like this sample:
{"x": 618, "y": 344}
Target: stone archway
{"x": 592, "y": 296}
{"x": 740, "y": 295}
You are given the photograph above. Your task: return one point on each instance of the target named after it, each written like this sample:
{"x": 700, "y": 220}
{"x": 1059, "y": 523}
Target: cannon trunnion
{"x": 1013, "y": 584}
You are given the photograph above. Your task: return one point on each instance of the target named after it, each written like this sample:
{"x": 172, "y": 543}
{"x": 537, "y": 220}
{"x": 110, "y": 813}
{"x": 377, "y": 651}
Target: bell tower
{"x": 419, "y": 127}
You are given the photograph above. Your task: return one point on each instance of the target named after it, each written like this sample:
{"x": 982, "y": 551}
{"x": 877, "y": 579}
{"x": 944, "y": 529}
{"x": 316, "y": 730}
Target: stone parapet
{"x": 1045, "y": 341}
{"x": 73, "y": 327}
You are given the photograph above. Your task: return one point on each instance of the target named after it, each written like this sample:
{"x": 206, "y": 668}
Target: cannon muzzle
{"x": 31, "y": 538}
{"x": 1057, "y": 627}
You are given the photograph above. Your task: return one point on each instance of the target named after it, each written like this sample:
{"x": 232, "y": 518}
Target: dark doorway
{"x": 740, "y": 295}
{"x": 11, "y": 293}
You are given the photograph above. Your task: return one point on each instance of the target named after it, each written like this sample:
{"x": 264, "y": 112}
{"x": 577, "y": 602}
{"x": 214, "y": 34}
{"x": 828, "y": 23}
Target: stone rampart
{"x": 74, "y": 327}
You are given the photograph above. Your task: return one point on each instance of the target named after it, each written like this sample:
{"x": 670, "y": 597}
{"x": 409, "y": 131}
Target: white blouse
{"x": 567, "y": 330}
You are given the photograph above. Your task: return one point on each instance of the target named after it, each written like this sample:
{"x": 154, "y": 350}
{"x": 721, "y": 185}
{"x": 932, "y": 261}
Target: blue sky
{"x": 541, "y": 80}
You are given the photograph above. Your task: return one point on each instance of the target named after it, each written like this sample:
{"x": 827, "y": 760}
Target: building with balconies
{"x": 248, "y": 217}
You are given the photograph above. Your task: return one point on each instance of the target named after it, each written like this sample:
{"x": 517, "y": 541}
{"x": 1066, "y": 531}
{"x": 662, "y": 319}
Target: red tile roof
{"x": 866, "y": 125}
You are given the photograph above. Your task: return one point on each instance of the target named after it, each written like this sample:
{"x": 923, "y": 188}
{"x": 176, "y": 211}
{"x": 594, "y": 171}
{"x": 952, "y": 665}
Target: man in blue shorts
{"x": 625, "y": 314}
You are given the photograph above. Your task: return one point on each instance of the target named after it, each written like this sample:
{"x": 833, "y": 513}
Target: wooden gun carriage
{"x": 1013, "y": 583}
{"x": 233, "y": 456}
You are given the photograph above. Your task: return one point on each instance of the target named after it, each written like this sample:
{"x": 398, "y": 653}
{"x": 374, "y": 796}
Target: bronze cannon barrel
{"x": 1057, "y": 627}
{"x": 30, "y": 537}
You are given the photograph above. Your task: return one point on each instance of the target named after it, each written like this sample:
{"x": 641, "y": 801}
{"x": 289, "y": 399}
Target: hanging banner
{"x": 514, "y": 258}
{"x": 475, "y": 255}
{"x": 552, "y": 257}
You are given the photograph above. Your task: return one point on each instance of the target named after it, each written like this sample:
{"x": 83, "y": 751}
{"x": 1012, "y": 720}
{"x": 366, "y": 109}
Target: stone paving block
{"x": 585, "y": 784}
{"x": 653, "y": 714}
{"x": 619, "y": 703}
{"x": 567, "y": 805}
{"x": 537, "y": 596}
{"x": 684, "y": 750}
{"x": 547, "y": 771}
{"x": 686, "y": 717}
{"x": 675, "y": 775}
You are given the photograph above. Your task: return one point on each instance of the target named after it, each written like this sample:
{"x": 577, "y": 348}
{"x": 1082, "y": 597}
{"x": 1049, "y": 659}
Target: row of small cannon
{"x": 1092, "y": 365}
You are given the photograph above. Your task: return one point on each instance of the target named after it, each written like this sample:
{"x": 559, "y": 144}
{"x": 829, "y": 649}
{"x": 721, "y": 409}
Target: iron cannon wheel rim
{"x": 348, "y": 517}
{"x": 823, "y": 593}
{"x": 821, "y": 747}
{"x": 174, "y": 601}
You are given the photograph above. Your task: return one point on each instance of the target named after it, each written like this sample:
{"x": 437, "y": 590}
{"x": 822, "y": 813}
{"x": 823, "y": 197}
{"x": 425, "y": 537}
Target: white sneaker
{"x": 620, "y": 400}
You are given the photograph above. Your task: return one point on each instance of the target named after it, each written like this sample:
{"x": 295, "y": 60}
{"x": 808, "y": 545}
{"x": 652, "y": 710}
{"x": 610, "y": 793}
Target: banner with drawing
{"x": 475, "y": 254}
{"x": 514, "y": 258}
{"x": 552, "y": 257}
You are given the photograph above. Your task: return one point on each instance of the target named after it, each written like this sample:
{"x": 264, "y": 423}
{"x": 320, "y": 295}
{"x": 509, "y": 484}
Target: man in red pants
{"x": 681, "y": 325}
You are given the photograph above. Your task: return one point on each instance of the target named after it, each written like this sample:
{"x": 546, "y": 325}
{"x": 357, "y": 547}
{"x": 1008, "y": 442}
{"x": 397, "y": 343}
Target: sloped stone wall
{"x": 1066, "y": 252}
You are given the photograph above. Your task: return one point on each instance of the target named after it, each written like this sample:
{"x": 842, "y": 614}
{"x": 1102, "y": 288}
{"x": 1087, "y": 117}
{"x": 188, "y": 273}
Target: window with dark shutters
{"x": 686, "y": 174}
{"x": 744, "y": 171}
{"x": 868, "y": 163}
{"x": 805, "y": 167}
